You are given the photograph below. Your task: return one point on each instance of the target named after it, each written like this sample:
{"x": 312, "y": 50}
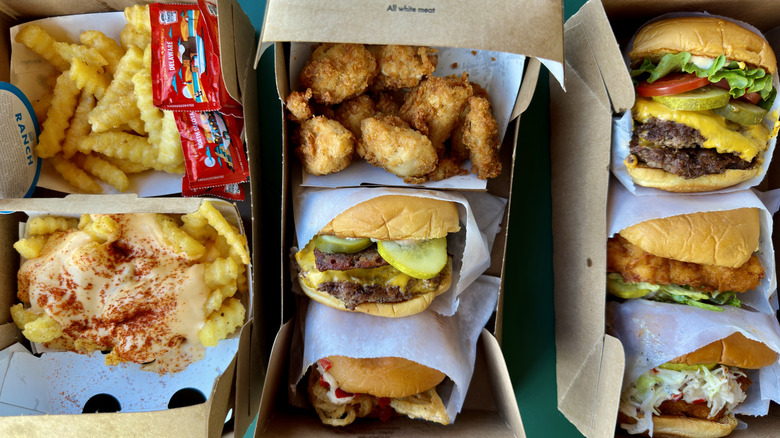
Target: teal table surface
{"x": 528, "y": 332}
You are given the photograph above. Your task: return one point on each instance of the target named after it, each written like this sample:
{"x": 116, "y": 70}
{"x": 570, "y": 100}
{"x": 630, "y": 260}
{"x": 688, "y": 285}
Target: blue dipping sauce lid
{"x": 19, "y": 132}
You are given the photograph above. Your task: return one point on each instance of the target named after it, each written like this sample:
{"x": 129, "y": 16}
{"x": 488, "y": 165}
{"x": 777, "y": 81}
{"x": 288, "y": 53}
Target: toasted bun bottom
{"x": 725, "y": 238}
{"x": 735, "y": 350}
{"x": 396, "y": 217}
{"x": 663, "y": 180}
{"x": 703, "y": 36}
{"x": 392, "y": 377}
{"x": 415, "y": 305}
{"x": 677, "y": 426}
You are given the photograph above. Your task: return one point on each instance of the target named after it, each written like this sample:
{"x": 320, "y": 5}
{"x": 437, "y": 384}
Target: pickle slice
{"x": 744, "y": 113}
{"x": 333, "y": 244}
{"x": 700, "y": 99}
{"x": 423, "y": 260}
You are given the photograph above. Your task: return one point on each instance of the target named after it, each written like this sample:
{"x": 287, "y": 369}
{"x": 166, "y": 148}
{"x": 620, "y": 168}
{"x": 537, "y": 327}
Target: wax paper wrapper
{"x": 622, "y": 129}
{"x": 625, "y": 209}
{"x": 29, "y": 72}
{"x": 654, "y": 333}
{"x": 449, "y": 342}
{"x": 314, "y": 208}
{"x": 499, "y": 73}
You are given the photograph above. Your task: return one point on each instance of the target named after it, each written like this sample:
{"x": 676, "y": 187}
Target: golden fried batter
{"x": 352, "y": 111}
{"x": 388, "y": 142}
{"x": 446, "y": 168}
{"x": 403, "y": 66}
{"x": 336, "y": 72}
{"x": 433, "y": 107}
{"x": 325, "y": 146}
{"x": 637, "y": 266}
{"x": 479, "y": 135}
{"x": 298, "y": 105}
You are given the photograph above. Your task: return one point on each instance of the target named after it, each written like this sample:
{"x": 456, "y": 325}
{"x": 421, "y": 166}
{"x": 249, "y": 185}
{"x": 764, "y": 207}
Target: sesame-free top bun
{"x": 734, "y": 350}
{"x": 722, "y": 238}
{"x": 396, "y": 217}
{"x": 392, "y": 377}
{"x": 663, "y": 180}
{"x": 703, "y": 36}
{"x": 674, "y": 426}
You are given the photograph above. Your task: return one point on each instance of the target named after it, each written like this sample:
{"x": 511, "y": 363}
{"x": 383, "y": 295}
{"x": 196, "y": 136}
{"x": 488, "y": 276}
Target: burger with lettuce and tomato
{"x": 704, "y": 88}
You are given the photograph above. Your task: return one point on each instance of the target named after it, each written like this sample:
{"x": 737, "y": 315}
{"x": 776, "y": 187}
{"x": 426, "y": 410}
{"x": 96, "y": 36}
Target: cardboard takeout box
{"x": 237, "y": 44}
{"x": 514, "y": 28}
{"x": 590, "y": 362}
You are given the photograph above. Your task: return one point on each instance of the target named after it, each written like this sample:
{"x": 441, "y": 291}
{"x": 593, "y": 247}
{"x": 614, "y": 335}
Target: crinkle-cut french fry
{"x": 222, "y": 271}
{"x": 30, "y": 247}
{"x": 136, "y": 124}
{"x": 50, "y": 224}
{"x": 21, "y": 316}
{"x": 42, "y": 105}
{"x": 138, "y": 17}
{"x": 102, "y": 228}
{"x": 40, "y": 42}
{"x": 75, "y": 175}
{"x": 61, "y": 110}
{"x": 122, "y": 145}
{"x": 106, "y": 171}
{"x": 125, "y": 165}
{"x": 170, "y": 141}
{"x": 130, "y": 37}
{"x": 178, "y": 240}
{"x": 79, "y": 126}
{"x": 107, "y": 47}
{"x": 236, "y": 240}
{"x": 118, "y": 104}
{"x": 88, "y": 78}
{"x": 222, "y": 323}
{"x": 86, "y": 54}
{"x": 151, "y": 115}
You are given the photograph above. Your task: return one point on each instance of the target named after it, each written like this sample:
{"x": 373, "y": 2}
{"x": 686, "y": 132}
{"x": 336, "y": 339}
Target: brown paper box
{"x": 590, "y": 362}
{"x": 490, "y": 408}
{"x": 234, "y": 389}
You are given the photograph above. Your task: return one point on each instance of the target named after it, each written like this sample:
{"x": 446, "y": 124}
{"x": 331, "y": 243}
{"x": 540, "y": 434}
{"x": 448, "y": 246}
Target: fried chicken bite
{"x": 352, "y": 111}
{"x": 297, "y": 104}
{"x": 433, "y": 107}
{"x": 447, "y": 166}
{"x": 403, "y": 66}
{"x": 336, "y": 72}
{"x": 388, "y": 142}
{"x": 325, "y": 146}
{"x": 389, "y": 102}
{"x": 478, "y": 135}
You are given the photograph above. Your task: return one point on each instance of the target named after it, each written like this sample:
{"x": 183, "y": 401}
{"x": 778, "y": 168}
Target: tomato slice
{"x": 753, "y": 98}
{"x": 671, "y": 84}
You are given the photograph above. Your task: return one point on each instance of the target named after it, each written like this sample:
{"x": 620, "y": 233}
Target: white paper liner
{"x": 499, "y": 73}
{"x": 29, "y": 71}
{"x": 654, "y": 333}
{"x": 622, "y": 128}
{"x": 447, "y": 344}
{"x": 625, "y": 209}
{"x": 314, "y": 208}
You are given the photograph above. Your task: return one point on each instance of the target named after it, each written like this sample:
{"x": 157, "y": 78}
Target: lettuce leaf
{"x": 670, "y": 293}
{"x": 740, "y": 78}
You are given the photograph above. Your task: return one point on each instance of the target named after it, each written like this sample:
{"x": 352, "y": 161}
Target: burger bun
{"x": 392, "y": 377}
{"x": 735, "y": 351}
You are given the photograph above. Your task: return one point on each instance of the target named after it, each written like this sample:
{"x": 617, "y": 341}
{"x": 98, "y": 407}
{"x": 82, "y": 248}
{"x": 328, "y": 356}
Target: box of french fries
{"x": 359, "y": 84}
{"x": 83, "y": 68}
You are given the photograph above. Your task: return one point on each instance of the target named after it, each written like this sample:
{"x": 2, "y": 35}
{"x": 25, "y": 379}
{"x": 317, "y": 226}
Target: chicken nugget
{"x": 325, "y": 146}
{"x": 336, "y": 72}
{"x": 388, "y": 142}
{"x": 403, "y": 66}
{"x": 352, "y": 111}
{"x": 433, "y": 107}
{"x": 298, "y": 105}
{"x": 479, "y": 135}
{"x": 389, "y": 102}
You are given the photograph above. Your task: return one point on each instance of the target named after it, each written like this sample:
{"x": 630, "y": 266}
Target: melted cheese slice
{"x": 719, "y": 135}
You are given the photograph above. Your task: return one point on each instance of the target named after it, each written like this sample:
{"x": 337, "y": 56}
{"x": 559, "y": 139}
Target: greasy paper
{"x": 625, "y": 209}
{"x": 623, "y": 126}
{"x": 314, "y": 208}
{"x": 654, "y": 333}
{"x": 29, "y": 72}
{"x": 499, "y": 73}
{"x": 449, "y": 344}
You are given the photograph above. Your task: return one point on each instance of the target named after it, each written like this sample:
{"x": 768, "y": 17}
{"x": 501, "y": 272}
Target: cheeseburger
{"x": 386, "y": 256}
{"x": 701, "y": 259}
{"x": 704, "y": 87}
{"x": 343, "y": 388}
{"x": 695, "y": 394}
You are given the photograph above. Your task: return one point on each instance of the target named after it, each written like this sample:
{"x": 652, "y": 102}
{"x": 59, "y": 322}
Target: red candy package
{"x": 186, "y": 73}
{"x": 213, "y": 151}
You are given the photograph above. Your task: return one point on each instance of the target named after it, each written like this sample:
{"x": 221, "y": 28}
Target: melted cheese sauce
{"x": 718, "y": 134}
{"x": 133, "y": 295}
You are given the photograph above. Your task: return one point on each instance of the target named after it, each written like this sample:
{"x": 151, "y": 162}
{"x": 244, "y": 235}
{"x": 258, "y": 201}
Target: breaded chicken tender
{"x": 336, "y": 72}
{"x": 298, "y": 105}
{"x": 388, "y": 142}
{"x": 325, "y": 146}
{"x": 479, "y": 135}
{"x": 433, "y": 107}
{"x": 403, "y": 66}
{"x": 352, "y": 111}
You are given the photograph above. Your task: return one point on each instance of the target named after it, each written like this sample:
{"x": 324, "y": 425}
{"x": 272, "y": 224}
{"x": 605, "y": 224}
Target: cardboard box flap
{"x": 589, "y": 39}
{"x": 77, "y": 204}
{"x": 237, "y": 43}
{"x": 502, "y": 386}
{"x": 497, "y": 25}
